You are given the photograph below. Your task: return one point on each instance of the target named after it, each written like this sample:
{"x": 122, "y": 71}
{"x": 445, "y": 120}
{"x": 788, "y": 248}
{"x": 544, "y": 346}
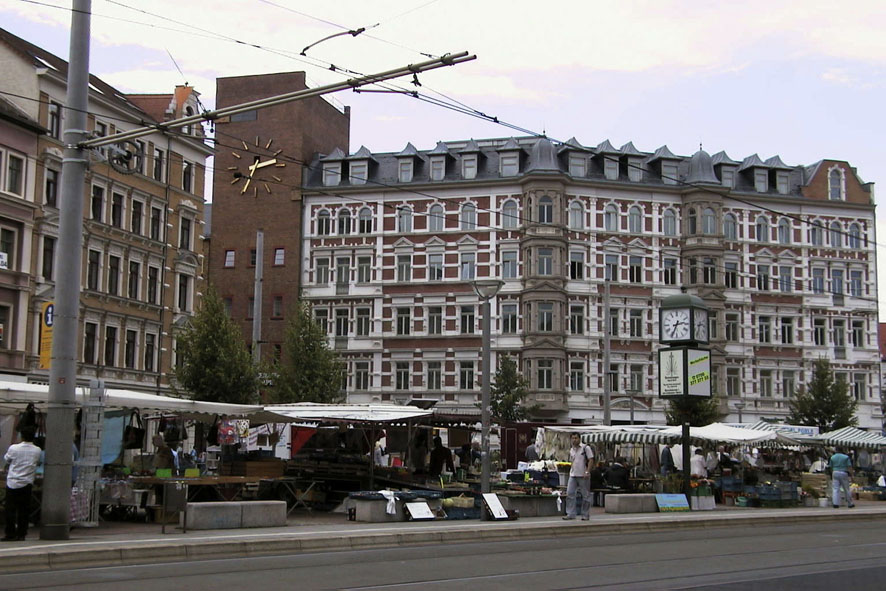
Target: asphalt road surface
{"x": 826, "y": 556}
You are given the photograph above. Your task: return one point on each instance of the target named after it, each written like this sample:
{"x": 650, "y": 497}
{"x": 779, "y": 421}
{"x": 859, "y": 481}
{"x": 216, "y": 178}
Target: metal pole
{"x": 485, "y": 395}
{"x": 687, "y": 490}
{"x": 607, "y": 390}
{"x": 256, "y": 304}
{"x": 55, "y": 514}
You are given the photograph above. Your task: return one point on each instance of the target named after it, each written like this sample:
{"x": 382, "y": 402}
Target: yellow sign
{"x": 47, "y": 319}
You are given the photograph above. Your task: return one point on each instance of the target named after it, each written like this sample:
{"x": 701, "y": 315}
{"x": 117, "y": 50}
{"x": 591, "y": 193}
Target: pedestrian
{"x": 698, "y": 465}
{"x": 21, "y": 467}
{"x": 532, "y": 451}
{"x": 841, "y": 470}
{"x": 441, "y": 458}
{"x": 582, "y": 457}
{"x": 667, "y": 460}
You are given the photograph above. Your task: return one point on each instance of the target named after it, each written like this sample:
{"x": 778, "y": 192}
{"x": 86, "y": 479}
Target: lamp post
{"x": 486, "y": 290}
{"x": 739, "y": 406}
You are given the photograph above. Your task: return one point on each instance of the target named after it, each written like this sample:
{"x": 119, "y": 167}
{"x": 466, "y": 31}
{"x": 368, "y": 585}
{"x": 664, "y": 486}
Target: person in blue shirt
{"x": 841, "y": 470}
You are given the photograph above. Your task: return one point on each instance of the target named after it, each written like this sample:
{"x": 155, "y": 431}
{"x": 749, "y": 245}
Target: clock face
{"x": 701, "y": 325}
{"x": 258, "y": 168}
{"x": 675, "y": 324}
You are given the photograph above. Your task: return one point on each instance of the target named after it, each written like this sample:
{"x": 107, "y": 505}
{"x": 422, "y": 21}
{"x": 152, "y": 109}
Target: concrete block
{"x": 263, "y": 513}
{"x": 373, "y": 511}
{"x": 223, "y": 515}
{"x": 631, "y": 503}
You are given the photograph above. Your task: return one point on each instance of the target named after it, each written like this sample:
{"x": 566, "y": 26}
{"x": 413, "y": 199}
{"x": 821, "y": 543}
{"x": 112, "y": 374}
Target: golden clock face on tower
{"x": 258, "y": 168}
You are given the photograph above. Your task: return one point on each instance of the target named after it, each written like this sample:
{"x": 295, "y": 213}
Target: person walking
{"x": 21, "y": 468}
{"x": 582, "y": 457}
{"x": 841, "y": 470}
{"x": 667, "y": 460}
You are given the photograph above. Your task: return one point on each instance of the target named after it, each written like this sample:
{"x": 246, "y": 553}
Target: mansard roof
{"x": 629, "y": 150}
{"x": 722, "y": 157}
{"x": 362, "y": 154}
{"x": 663, "y": 153}
{"x": 605, "y": 147}
{"x": 409, "y": 152}
{"x": 752, "y": 161}
{"x": 776, "y": 163}
{"x": 335, "y": 156}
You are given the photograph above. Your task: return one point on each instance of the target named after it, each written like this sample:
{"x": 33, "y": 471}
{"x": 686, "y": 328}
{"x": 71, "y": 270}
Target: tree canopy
{"x": 699, "y": 410}
{"x": 214, "y": 363}
{"x": 508, "y": 392}
{"x": 825, "y": 403}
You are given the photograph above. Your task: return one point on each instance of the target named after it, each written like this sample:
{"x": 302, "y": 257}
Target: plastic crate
{"x": 462, "y": 513}
{"x": 768, "y": 493}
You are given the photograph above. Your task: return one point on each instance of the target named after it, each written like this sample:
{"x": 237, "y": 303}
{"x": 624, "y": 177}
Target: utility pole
{"x": 607, "y": 323}
{"x": 256, "y": 304}
{"x": 55, "y": 516}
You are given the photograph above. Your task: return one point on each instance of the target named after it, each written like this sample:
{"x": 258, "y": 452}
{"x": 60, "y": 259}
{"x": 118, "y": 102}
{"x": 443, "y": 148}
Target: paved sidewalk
{"x": 119, "y": 543}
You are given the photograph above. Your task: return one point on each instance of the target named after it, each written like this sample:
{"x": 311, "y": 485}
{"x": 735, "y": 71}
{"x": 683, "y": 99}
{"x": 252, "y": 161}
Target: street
{"x": 828, "y": 555}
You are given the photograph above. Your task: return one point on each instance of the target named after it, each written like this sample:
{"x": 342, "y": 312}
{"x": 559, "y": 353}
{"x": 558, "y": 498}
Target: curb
{"x": 141, "y": 552}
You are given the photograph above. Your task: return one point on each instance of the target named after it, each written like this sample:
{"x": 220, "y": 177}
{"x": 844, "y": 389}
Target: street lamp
{"x": 486, "y": 289}
{"x": 739, "y": 406}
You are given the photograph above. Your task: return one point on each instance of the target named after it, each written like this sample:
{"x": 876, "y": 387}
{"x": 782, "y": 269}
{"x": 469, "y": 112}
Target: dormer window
{"x": 406, "y": 168}
{"x": 727, "y": 178}
{"x": 578, "y": 165}
{"x": 635, "y": 170}
{"x": 610, "y": 168}
{"x": 331, "y": 174}
{"x": 835, "y": 184}
{"x": 761, "y": 180}
{"x": 668, "y": 172}
{"x": 782, "y": 180}
{"x": 469, "y": 166}
{"x": 438, "y": 168}
{"x": 358, "y": 173}
{"x": 510, "y": 164}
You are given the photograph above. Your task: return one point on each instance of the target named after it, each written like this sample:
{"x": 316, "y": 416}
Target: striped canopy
{"x": 852, "y": 437}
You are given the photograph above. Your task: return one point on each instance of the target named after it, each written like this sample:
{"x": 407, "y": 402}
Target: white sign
{"x": 493, "y": 503}
{"x": 419, "y": 510}
{"x": 699, "y": 371}
{"x": 671, "y": 379}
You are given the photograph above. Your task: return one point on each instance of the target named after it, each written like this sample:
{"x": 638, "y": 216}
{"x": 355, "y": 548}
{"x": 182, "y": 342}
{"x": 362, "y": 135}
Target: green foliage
{"x": 216, "y": 365}
{"x": 700, "y": 411}
{"x": 825, "y": 403}
{"x": 508, "y": 391}
{"x": 309, "y": 371}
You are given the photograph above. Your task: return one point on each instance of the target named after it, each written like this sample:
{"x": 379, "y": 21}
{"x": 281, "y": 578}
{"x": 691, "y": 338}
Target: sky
{"x": 803, "y": 79}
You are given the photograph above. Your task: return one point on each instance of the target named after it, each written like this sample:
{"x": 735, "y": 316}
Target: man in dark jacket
{"x": 617, "y": 475}
{"x": 667, "y": 460}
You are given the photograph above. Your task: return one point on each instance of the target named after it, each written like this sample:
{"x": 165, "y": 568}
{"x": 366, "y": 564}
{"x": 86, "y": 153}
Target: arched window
{"x": 610, "y": 218}
{"x": 784, "y": 231}
{"x": 404, "y": 219}
{"x": 762, "y": 229}
{"x": 576, "y": 216}
{"x": 436, "y": 218}
{"x": 324, "y": 223}
{"x": 670, "y": 223}
{"x": 708, "y": 221}
{"x": 730, "y": 227}
{"x": 692, "y": 221}
{"x": 815, "y": 233}
{"x": 836, "y": 235}
{"x": 545, "y": 210}
{"x": 835, "y": 184}
{"x": 854, "y": 236}
{"x": 635, "y": 220}
{"x": 344, "y": 222}
{"x": 468, "y": 218}
{"x": 510, "y": 217}
{"x": 365, "y": 221}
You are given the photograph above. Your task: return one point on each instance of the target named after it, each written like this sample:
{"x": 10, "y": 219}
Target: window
{"x": 7, "y": 247}
{"x": 692, "y": 263}
{"x": 117, "y": 210}
{"x": 761, "y": 180}
{"x": 129, "y": 350}
{"x": 762, "y": 277}
{"x": 468, "y": 217}
{"x": 577, "y": 165}
{"x": 150, "y": 348}
{"x": 855, "y": 283}
{"x": 344, "y": 222}
{"x": 788, "y": 383}
{"x": 819, "y": 332}
{"x": 466, "y": 375}
{"x": 787, "y": 331}
{"x": 766, "y": 383}
{"x": 576, "y": 376}
{"x": 468, "y": 266}
{"x": 469, "y": 166}
{"x": 635, "y": 269}
{"x": 187, "y": 176}
{"x": 54, "y": 122}
{"x": 857, "y": 334}
{"x": 158, "y": 165}
{"x": 708, "y": 221}
{"x": 545, "y": 210}
{"x": 153, "y": 284}
{"x": 613, "y": 322}
{"x": 466, "y": 321}
{"x": 670, "y": 271}
{"x": 611, "y": 267}
{"x": 854, "y": 240}
{"x": 709, "y": 270}
{"x": 405, "y": 169}
{"x": 342, "y": 319}
{"x": 322, "y": 271}
{"x": 762, "y": 229}
{"x": 50, "y": 194}
{"x": 48, "y": 257}
{"x": 436, "y": 218}
{"x": 90, "y": 335}
{"x": 435, "y": 375}
{"x": 15, "y": 175}
{"x": 510, "y": 164}
{"x": 404, "y": 321}
{"x": 764, "y": 329}
{"x": 636, "y": 378}
{"x": 576, "y": 319}
{"x": 364, "y": 221}
{"x": 404, "y": 268}
{"x": 835, "y": 184}
{"x": 509, "y": 318}
{"x": 402, "y": 375}
{"x": 784, "y": 231}
{"x": 835, "y": 235}
{"x": 730, "y": 272}
{"x": 361, "y": 375}
{"x": 859, "y": 385}
{"x": 576, "y": 216}
{"x": 610, "y": 168}
{"x": 324, "y": 223}
{"x": 435, "y": 267}
{"x": 636, "y": 323}
{"x": 113, "y": 275}
{"x": 362, "y": 326}
{"x": 839, "y": 337}
{"x": 435, "y": 320}
{"x": 279, "y": 257}
{"x": 135, "y": 220}
{"x": 818, "y": 280}
{"x": 404, "y": 219}
{"x": 132, "y": 282}
{"x": 364, "y": 269}
{"x": 610, "y": 218}
{"x": 837, "y": 282}
{"x": 815, "y": 234}
{"x": 97, "y": 203}
{"x": 692, "y": 221}
{"x": 576, "y": 265}
{"x": 110, "y": 345}
{"x": 184, "y": 240}
{"x": 545, "y": 374}
{"x": 733, "y": 382}
{"x": 508, "y": 264}
{"x": 321, "y": 317}
{"x": 785, "y": 279}
{"x": 438, "y": 168}
{"x": 156, "y": 222}
{"x": 277, "y": 307}
{"x": 545, "y": 317}
{"x": 732, "y": 328}
{"x": 612, "y": 376}
{"x": 358, "y": 173}
{"x": 545, "y": 261}
{"x": 670, "y": 223}
{"x": 252, "y": 256}
{"x": 184, "y": 293}
{"x": 730, "y": 227}
{"x": 510, "y": 216}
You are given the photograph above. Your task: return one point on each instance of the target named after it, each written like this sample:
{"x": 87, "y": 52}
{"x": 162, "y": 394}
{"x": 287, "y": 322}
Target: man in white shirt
{"x": 582, "y": 457}
{"x": 21, "y": 467}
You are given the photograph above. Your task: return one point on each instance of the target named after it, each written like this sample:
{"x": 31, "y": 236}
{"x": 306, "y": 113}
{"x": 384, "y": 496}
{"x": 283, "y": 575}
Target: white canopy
{"x": 722, "y": 433}
{"x": 346, "y": 413}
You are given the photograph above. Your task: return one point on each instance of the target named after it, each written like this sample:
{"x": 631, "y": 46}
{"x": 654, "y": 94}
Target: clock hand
{"x": 252, "y": 170}
{"x": 266, "y": 163}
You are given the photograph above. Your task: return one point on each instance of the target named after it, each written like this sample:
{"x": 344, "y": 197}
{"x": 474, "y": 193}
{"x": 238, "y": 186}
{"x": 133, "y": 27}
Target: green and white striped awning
{"x": 852, "y": 437}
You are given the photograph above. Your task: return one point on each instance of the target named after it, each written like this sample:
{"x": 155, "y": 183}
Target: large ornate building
{"x": 142, "y": 244}
{"x": 783, "y": 255}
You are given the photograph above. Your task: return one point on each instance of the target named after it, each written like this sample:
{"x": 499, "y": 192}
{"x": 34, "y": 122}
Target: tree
{"x": 309, "y": 371}
{"x": 508, "y": 392}
{"x": 700, "y": 411}
{"x": 825, "y": 403}
{"x": 215, "y": 364}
